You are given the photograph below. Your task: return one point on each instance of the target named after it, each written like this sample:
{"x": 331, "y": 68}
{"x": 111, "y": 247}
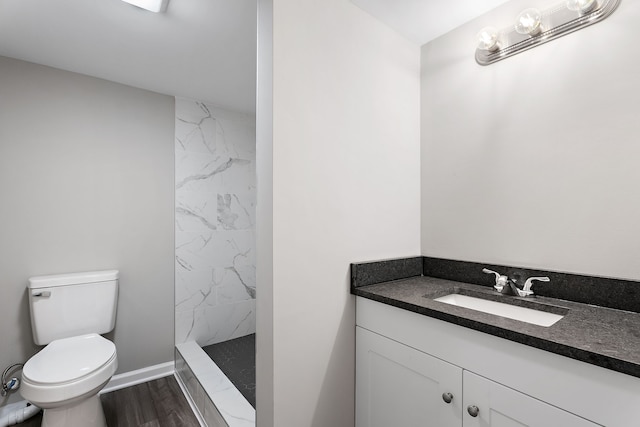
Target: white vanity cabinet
{"x": 500, "y": 406}
{"x": 399, "y": 386}
{"x": 406, "y": 363}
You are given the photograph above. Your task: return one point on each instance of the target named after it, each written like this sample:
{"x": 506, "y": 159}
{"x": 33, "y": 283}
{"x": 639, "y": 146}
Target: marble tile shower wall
{"x": 215, "y": 223}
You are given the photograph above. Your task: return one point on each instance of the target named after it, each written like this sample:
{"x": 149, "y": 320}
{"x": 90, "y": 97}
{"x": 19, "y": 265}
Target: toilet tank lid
{"x": 72, "y": 278}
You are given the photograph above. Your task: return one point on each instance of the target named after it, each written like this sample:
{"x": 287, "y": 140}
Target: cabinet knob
{"x": 447, "y": 397}
{"x": 473, "y": 410}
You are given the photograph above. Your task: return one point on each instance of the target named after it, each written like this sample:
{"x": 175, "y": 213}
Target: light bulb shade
{"x": 487, "y": 39}
{"x": 150, "y": 5}
{"x": 582, "y": 6}
{"x": 529, "y": 22}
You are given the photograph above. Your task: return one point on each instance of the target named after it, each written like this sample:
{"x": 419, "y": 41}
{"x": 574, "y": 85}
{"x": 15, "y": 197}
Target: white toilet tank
{"x": 67, "y": 305}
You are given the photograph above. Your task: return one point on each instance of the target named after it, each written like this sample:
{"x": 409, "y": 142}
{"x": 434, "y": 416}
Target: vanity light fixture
{"x": 582, "y": 6}
{"x": 488, "y": 39}
{"x": 150, "y": 5}
{"x": 529, "y": 22}
{"x": 534, "y": 27}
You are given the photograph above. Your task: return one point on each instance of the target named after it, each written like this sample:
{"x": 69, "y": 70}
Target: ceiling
{"x": 199, "y": 49}
{"x": 424, "y": 20}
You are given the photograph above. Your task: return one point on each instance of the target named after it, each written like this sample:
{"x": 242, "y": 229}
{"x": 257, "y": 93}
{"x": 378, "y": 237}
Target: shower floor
{"x": 237, "y": 359}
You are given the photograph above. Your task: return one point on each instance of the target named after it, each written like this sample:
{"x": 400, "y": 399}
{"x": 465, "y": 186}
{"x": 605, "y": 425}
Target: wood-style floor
{"x": 158, "y": 403}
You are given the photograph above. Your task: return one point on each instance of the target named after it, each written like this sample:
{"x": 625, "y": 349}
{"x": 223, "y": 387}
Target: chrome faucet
{"x": 508, "y": 286}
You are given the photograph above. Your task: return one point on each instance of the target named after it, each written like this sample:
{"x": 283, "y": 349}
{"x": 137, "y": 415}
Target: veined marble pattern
{"x": 214, "y": 324}
{"x": 215, "y": 223}
{"x": 207, "y": 211}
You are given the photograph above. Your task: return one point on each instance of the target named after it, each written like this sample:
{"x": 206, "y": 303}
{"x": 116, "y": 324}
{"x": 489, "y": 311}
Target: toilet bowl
{"x": 68, "y": 312}
{"x": 65, "y": 377}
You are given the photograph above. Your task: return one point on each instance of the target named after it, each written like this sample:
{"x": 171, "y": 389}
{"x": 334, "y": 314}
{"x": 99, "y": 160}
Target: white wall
{"x": 345, "y": 189}
{"x": 86, "y": 183}
{"x": 215, "y": 223}
{"x": 532, "y": 161}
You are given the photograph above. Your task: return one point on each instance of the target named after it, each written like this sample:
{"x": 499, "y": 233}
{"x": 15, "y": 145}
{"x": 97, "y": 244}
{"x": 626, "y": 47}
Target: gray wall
{"x": 86, "y": 183}
{"x": 533, "y": 161}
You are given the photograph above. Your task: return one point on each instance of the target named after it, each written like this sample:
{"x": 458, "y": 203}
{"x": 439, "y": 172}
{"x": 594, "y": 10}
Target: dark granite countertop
{"x": 601, "y": 336}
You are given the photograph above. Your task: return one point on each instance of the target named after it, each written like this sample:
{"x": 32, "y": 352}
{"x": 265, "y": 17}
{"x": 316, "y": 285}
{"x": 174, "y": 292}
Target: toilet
{"x": 68, "y": 314}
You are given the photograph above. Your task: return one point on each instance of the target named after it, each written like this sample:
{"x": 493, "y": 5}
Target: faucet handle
{"x": 501, "y": 280}
{"x": 527, "y": 285}
{"x": 486, "y": 270}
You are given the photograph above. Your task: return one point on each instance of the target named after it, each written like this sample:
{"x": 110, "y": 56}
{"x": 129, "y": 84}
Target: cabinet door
{"x": 399, "y": 386}
{"x": 500, "y": 406}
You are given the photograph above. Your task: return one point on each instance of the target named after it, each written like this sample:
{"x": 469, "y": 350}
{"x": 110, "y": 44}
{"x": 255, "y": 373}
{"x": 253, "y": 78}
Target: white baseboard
{"x": 127, "y": 379}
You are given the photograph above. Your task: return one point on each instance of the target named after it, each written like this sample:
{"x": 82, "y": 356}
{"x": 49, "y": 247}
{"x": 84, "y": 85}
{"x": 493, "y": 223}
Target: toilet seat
{"x": 67, "y": 369}
{"x": 69, "y": 359}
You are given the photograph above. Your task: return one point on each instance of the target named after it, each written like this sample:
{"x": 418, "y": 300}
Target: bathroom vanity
{"x": 425, "y": 362}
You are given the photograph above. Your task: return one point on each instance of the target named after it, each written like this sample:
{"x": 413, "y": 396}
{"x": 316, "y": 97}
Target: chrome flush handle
{"x": 41, "y": 294}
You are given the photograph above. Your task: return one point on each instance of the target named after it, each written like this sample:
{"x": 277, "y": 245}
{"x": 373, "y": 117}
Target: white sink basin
{"x": 536, "y": 317}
